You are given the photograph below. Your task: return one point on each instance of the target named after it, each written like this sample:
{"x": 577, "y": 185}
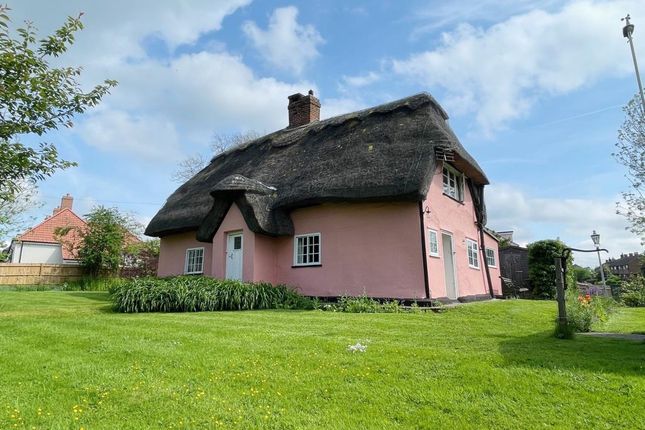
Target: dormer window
{"x": 453, "y": 183}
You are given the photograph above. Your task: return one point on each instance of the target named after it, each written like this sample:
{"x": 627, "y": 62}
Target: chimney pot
{"x": 66, "y": 202}
{"x": 303, "y": 109}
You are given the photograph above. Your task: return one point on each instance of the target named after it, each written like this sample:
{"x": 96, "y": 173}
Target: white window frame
{"x": 432, "y": 232}
{"x": 187, "y": 258}
{"x": 457, "y": 177}
{"x": 472, "y": 253}
{"x": 491, "y": 257}
{"x": 295, "y": 250}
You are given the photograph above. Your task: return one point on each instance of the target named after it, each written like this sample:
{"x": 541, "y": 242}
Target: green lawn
{"x": 67, "y": 361}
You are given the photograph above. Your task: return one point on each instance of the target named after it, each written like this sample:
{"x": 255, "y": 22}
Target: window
{"x": 194, "y": 261}
{"x": 434, "y": 243}
{"x": 490, "y": 257}
{"x": 306, "y": 250}
{"x": 473, "y": 256}
{"x": 453, "y": 183}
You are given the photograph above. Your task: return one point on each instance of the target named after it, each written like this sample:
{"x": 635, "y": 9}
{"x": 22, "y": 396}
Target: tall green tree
{"x": 630, "y": 152}
{"x": 36, "y": 98}
{"x": 542, "y": 268}
{"x": 104, "y": 241}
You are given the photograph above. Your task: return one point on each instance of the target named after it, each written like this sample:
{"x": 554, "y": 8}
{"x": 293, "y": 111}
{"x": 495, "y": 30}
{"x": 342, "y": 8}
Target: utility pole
{"x": 628, "y": 30}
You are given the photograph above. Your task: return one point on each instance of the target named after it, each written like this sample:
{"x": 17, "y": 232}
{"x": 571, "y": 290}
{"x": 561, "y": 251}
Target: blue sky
{"x": 534, "y": 91}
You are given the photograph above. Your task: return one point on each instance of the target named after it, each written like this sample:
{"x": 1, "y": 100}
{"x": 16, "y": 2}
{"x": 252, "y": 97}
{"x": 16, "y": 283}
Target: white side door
{"x": 234, "y": 256}
{"x": 449, "y": 266}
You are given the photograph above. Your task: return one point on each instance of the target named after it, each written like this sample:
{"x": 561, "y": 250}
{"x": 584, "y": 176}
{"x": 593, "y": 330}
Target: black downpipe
{"x": 481, "y": 240}
{"x": 478, "y": 204}
{"x": 423, "y": 251}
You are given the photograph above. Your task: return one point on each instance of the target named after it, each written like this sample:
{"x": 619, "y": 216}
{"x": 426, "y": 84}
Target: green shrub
{"x": 359, "y": 305}
{"x": 542, "y": 268}
{"x": 197, "y": 293}
{"x": 632, "y": 292}
{"x": 367, "y": 305}
{"x": 585, "y": 311}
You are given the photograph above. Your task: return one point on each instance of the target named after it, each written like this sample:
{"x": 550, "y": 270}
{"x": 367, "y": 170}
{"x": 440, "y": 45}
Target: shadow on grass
{"x": 543, "y": 350}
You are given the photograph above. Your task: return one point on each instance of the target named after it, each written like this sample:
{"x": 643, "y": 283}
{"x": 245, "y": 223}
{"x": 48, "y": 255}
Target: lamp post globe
{"x": 596, "y": 241}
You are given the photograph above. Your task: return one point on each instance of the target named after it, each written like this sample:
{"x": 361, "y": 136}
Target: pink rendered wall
{"x": 366, "y": 248}
{"x": 172, "y": 253}
{"x": 458, "y": 219}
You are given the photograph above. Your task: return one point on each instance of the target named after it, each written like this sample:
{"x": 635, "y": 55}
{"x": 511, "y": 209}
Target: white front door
{"x": 234, "y": 256}
{"x": 449, "y": 266}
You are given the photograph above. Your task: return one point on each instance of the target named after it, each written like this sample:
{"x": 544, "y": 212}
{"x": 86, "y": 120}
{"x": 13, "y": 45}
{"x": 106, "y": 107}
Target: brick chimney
{"x": 66, "y": 202}
{"x": 303, "y": 109}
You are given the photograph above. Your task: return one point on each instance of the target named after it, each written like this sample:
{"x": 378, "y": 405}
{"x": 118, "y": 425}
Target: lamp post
{"x": 596, "y": 241}
{"x": 628, "y": 30}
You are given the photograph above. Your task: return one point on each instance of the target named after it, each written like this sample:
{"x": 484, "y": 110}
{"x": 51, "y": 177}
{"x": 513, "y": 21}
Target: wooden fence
{"x": 38, "y": 274}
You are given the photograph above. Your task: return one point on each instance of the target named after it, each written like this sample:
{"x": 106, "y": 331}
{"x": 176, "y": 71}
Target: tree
{"x": 103, "y": 241}
{"x": 584, "y": 274}
{"x": 190, "y": 166}
{"x": 12, "y": 209}
{"x": 631, "y": 154}
{"x": 542, "y": 268}
{"x": 142, "y": 258}
{"x": 36, "y": 98}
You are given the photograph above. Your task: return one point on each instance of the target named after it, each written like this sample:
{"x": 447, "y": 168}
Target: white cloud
{"x": 339, "y": 106}
{"x": 145, "y": 137}
{"x": 359, "y": 81}
{"x": 572, "y": 220}
{"x": 116, "y": 28}
{"x": 285, "y": 44}
{"x": 498, "y": 73}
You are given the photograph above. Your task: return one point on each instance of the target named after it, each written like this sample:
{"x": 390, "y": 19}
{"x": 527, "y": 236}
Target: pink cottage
{"x": 384, "y": 202}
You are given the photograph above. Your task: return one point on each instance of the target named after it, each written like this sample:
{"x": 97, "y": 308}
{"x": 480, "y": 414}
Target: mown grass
{"x": 68, "y": 361}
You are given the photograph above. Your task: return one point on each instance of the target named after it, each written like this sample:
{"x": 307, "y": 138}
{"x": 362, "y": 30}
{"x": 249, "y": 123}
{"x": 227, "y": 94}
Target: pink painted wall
{"x": 458, "y": 219}
{"x": 172, "y": 253}
{"x": 366, "y": 248}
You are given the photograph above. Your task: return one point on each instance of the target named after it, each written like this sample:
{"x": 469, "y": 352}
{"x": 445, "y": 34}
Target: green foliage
{"x": 632, "y": 292}
{"x": 585, "y": 311}
{"x": 36, "y": 98}
{"x": 141, "y": 259}
{"x": 584, "y": 274}
{"x": 198, "y": 293}
{"x": 104, "y": 241}
{"x": 367, "y": 305}
{"x": 629, "y": 152}
{"x": 542, "y": 268}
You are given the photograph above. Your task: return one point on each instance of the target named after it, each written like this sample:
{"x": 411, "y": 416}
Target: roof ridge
{"x": 392, "y": 105}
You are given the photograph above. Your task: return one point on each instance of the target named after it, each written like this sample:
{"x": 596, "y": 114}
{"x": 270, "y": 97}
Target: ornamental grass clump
{"x": 196, "y": 293}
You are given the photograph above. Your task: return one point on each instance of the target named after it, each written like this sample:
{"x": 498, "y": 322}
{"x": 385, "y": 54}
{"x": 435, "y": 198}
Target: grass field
{"x": 67, "y": 361}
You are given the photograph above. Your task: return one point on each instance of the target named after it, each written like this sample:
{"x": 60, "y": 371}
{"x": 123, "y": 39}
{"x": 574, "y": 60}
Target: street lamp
{"x": 628, "y": 30}
{"x": 596, "y": 241}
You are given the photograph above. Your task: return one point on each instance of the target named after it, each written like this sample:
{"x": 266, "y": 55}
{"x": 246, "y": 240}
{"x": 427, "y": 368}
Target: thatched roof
{"x": 387, "y": 152}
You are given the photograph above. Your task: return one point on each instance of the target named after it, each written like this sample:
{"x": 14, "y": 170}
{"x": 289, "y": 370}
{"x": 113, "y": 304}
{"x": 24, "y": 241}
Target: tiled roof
{"x": 44, "y": 232}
